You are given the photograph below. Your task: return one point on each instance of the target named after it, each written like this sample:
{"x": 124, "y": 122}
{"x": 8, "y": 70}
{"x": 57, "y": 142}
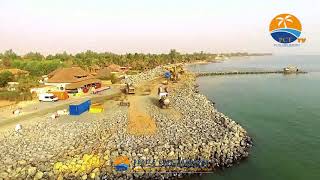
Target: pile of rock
{"x": 218, "y": 138}
{"x": 35, "y": 151}
{"x": 145, "y": 76}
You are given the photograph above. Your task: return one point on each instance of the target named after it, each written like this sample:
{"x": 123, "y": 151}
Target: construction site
{"x": 153, "y": 116}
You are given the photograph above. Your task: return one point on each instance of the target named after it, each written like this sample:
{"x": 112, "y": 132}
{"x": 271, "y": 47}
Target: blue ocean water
{"x": 280, "y": 112}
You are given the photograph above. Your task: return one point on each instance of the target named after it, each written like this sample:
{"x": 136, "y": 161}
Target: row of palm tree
{"x": 87, "y": 59}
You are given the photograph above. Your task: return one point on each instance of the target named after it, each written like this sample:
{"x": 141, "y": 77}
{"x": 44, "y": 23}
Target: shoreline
{"x": 88, "y": 149}
{"x": 198, "y": 62}
{"x": 225, "y": 59}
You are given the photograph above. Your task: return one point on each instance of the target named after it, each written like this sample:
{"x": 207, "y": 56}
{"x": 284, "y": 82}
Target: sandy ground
{"x": 4, "y": 103}
{"x": 140, "y": 122}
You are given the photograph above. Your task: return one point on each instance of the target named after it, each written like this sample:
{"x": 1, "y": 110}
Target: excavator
{"x": 175, "y": 72}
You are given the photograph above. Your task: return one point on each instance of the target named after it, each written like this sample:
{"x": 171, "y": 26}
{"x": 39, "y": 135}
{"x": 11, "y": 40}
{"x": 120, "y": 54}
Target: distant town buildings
{"x": 107, "y": 70}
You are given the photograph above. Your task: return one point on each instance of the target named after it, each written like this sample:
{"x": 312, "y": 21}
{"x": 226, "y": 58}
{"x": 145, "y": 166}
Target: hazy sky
{"x": 50, "y": 26}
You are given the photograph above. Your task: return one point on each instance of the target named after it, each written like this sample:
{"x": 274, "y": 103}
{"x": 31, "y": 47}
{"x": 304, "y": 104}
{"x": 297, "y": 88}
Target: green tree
{"x": 7, "y": 57}
{"x": 5, "y": 77}
{"x": 35, "y": 56}
{"x": 6, "y": 62}
{"x": 38, "y": 68}
{"x": 26, "y": 83}
{"x": 9, "y": 54}
{"x": 38, "y": 65}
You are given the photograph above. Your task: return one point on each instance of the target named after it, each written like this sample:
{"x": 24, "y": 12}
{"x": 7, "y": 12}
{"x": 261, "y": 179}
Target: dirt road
{"x": 8, "y": 119}
{"x": 140, "y": 122}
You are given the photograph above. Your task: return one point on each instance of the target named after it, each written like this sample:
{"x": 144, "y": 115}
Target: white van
{"x": 48, "y": 97}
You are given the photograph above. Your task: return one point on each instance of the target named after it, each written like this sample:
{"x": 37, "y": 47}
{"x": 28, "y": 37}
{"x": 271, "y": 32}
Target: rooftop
{"x": 69, "y": 75}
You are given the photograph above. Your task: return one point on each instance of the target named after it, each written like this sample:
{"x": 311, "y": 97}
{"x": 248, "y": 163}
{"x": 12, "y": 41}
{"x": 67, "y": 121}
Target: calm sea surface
{"x": 280, "y": 112}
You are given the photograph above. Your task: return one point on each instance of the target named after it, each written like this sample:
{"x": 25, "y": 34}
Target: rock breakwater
{"x": 87, "y": 147}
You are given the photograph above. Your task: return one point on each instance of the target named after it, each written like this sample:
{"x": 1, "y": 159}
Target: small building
{"x": 108, "y": 70}
{"x": 221, "y": 57}
{"x": 43, "y": 79}
{"x": 43, "y": 89}
{"x": 94, "y": 69}
{"x": 104, "y": 73}
{"x": 114, "y": 68}
{"x": 12, "y": 86}
{"x": 125, "y": 68}
{"x": 72, "y": 79}
{"x": 290, "y": 69}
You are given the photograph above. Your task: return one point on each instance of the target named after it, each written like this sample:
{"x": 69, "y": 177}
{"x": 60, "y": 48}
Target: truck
{"x": 164, "y": 102}
{"x": 129, "y": 89}
{"x": 47, "y": 97}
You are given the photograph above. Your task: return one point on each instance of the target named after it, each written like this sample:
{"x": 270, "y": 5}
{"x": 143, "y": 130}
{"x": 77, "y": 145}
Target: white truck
{"x": 47, "y": 97}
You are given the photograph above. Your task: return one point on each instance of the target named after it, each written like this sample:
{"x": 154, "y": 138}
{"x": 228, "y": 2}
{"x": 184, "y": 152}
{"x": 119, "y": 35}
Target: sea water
{"x": 280, "y": 112}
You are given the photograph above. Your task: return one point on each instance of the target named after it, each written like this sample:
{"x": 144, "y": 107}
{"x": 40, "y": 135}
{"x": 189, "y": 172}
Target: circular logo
{"x": 285, "y": 28}
{"x": 121, "y": 163}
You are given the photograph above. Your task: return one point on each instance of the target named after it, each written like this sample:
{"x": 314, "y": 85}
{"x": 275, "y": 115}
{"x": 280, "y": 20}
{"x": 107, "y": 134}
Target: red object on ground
{"x": 85, "y": 90}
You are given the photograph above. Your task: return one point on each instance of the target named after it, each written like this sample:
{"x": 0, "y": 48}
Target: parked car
{"x": 48, "y": 97}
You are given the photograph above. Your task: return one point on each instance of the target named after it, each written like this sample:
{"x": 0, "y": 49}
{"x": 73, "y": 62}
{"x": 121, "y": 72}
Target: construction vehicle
{"x": 129, "y": 89}
{"x": 180, "y": 69}
{"x": 124, "y": 103}
{"x": 164, "y": 101}
{"x": 174, "y": 71}
{"x": 47, "y": 97}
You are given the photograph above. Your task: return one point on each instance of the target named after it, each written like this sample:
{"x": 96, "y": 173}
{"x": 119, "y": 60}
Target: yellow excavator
{"x": 175, "y": 71}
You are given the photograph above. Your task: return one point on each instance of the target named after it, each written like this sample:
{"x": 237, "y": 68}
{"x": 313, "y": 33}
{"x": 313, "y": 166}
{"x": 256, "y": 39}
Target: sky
{"x": 149, "y": 26}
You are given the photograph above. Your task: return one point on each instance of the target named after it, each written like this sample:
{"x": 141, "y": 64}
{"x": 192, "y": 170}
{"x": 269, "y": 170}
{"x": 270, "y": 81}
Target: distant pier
{"x": 246, "y": 72}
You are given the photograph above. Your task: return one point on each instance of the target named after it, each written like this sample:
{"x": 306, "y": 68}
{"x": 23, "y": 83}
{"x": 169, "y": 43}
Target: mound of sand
{"x": 140, "y": 123}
